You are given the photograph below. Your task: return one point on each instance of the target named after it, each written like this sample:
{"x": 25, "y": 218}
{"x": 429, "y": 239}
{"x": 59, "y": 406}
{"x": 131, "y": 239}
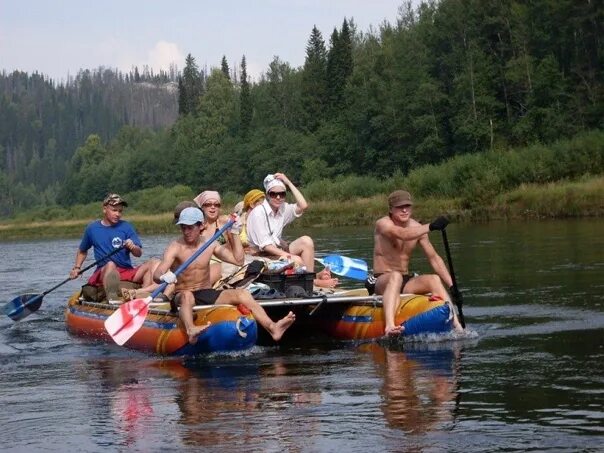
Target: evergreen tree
{"x": 246, "y": 108}
{"x": 224, "y": 67}
{"x": 191, "y": 87}
{"x": 314, "y": 81}
{"x": 339, "y": 65}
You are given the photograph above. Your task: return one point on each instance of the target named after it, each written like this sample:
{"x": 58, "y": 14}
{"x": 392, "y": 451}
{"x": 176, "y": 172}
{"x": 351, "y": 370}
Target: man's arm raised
{"x": 386, "y": 227}
{"x": 301, "y": 202}
{"x": 236, "y": 256}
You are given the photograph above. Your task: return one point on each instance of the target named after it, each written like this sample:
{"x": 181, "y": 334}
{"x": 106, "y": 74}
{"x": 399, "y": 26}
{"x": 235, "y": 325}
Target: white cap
{"x": 270, "y": 181}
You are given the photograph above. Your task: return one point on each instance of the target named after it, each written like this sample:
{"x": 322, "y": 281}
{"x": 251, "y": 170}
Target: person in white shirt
{"x": 265, "y": 225}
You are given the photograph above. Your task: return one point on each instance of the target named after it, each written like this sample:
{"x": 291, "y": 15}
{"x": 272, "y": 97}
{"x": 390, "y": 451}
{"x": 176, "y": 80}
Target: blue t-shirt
{"x": 105, "y": 239}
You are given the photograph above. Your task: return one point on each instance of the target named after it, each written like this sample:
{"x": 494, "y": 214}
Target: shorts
{"x": 371, "y": 279}
{"x": 126, "y": 275}
{"x": 206, "y": 296}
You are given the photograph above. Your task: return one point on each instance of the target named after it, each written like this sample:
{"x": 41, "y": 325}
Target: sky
{"x": 59, "y": 37}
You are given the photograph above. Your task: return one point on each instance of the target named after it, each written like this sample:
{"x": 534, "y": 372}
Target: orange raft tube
{"x": 418, "y": 314}
{"x": 354, "y": 315}
{"x": 162, "y": 332}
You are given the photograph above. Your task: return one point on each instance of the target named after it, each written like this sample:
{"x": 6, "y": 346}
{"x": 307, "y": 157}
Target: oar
{"x": 130, "y": 317}
{"x": 354, "y": 268}
{"x": 458, "y": 301}
{"x": 25, "y": 304}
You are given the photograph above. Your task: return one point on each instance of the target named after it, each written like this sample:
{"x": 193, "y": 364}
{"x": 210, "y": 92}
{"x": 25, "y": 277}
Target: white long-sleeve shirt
{"x": 265, "y": 226}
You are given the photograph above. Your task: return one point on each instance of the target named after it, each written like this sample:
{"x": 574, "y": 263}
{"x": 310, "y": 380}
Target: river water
{"x": 528, "y": 376}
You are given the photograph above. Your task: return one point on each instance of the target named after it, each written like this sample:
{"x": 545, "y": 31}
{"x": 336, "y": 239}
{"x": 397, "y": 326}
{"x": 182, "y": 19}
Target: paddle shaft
{"x": 82, "y": 271}
{"x": 458, "y": 303}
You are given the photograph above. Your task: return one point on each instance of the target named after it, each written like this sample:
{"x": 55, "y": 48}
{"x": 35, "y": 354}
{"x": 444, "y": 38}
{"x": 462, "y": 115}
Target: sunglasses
{"x": 277, "y": 194}
{"x": 211, "y": 205}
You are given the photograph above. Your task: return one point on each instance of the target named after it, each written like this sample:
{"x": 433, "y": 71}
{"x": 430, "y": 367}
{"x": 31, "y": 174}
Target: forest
{"x": 443, "y": 81}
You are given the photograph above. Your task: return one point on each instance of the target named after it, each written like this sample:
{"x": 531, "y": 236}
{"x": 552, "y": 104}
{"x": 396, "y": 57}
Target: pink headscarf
{"x": 206, "y": 196}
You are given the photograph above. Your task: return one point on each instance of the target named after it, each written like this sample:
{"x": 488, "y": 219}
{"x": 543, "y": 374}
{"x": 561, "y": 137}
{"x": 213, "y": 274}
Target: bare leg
{"x": 144, "y": 275}
{"x": 187, "y": 301}
{"x": 432, "y": 284}
{"x": 111, "y": 281}
{"x": 389, "y": 286}
{"x": 240, "y": 296}
{"x": 304, "y": 247}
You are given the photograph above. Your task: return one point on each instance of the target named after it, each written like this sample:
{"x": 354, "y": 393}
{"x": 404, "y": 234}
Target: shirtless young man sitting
{"x": 396, "y": 236}
{"x": 193, "y": 284}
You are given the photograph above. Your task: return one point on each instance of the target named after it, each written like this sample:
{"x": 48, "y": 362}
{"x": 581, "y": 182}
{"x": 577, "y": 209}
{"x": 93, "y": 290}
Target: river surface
{"x": 529, "y": 375}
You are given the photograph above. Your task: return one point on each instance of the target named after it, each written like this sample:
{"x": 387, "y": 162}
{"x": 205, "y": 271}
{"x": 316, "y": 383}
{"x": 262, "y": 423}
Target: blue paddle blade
{"x": 347, "y": 267}
{"x": 23, "y": 306}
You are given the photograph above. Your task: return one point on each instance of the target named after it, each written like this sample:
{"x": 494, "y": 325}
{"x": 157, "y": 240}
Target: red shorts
{"x": 126, "y": 275}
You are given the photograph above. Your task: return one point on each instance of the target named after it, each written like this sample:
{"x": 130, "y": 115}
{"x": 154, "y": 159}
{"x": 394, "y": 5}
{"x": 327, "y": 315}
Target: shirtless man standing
{"x": 193, "y": 284}
{"x": 395, "y": 236}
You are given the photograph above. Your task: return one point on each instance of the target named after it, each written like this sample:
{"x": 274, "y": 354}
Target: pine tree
{"x": 339, "y": 65}
{"x": 224, "y": 66}
{"x": 190, "y": 87}
{"x": 314, "y": 81}
{"x": 245, "y": 100}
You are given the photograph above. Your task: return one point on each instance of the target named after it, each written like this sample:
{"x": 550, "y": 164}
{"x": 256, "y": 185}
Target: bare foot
{"x": 324, "y": 274}
{"x": 456, "y": 324}
{"x": 393, "y": 331}
{"x": 195, "y": 332}
{"x": 326, "y": 282}
{"x": 278, "y": 328}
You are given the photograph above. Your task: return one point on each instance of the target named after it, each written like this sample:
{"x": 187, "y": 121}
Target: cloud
{"x": 165, "y": 54}
{"x": 124, "y": 55}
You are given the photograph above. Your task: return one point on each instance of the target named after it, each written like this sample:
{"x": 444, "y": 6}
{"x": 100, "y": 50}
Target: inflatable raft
{"x": 355, "y": 315}
{"x": 230, "y": 329}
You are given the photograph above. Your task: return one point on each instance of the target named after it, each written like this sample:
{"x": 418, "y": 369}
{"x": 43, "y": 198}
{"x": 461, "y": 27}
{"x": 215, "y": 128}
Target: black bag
{"x": 245, "y": 275}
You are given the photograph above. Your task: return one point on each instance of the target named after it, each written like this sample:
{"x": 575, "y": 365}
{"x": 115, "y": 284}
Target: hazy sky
{"x": 59, "y": 37}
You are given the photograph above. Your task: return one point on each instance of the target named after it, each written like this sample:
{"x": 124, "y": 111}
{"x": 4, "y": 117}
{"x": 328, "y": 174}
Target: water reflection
{"x": 234, "y": 402}
{"x": 420, "y": 385}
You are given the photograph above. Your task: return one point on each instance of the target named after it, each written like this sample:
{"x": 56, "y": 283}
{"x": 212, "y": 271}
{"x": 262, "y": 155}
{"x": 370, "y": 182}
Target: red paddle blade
{"x": 127, "y": 319}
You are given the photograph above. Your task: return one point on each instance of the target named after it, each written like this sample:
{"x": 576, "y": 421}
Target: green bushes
{"x": 470, "y": 181}
{"x": 475, "y": 179}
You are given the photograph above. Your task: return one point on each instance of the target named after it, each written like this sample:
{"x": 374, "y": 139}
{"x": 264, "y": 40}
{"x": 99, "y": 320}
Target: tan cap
{"x": 399, "y": 198}
{"x": 114, "y": 199}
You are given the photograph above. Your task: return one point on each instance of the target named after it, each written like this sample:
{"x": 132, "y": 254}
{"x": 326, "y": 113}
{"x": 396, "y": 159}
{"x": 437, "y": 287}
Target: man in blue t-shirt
{"x": 106, "y": 235}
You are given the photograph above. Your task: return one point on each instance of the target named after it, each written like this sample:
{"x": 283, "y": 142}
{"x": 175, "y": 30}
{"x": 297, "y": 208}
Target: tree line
{"x": 444, "y": 79}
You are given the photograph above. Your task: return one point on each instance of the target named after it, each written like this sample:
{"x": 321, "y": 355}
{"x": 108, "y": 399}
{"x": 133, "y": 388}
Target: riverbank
{"x": 583, "y": 198}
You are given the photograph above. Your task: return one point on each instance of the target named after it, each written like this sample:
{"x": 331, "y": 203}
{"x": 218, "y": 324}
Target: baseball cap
{"x": 399, "y": 198}
{"x": 190, "y": 216}
{"x": 114, "y": 199}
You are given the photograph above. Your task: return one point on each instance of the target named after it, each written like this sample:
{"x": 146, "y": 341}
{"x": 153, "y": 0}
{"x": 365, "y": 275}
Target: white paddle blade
{"x": 127, "y": 320}
{"x": 347, "y": 267}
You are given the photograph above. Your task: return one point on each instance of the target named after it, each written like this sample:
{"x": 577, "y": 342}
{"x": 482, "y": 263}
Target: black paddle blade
{"x": 22, "y": 306}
